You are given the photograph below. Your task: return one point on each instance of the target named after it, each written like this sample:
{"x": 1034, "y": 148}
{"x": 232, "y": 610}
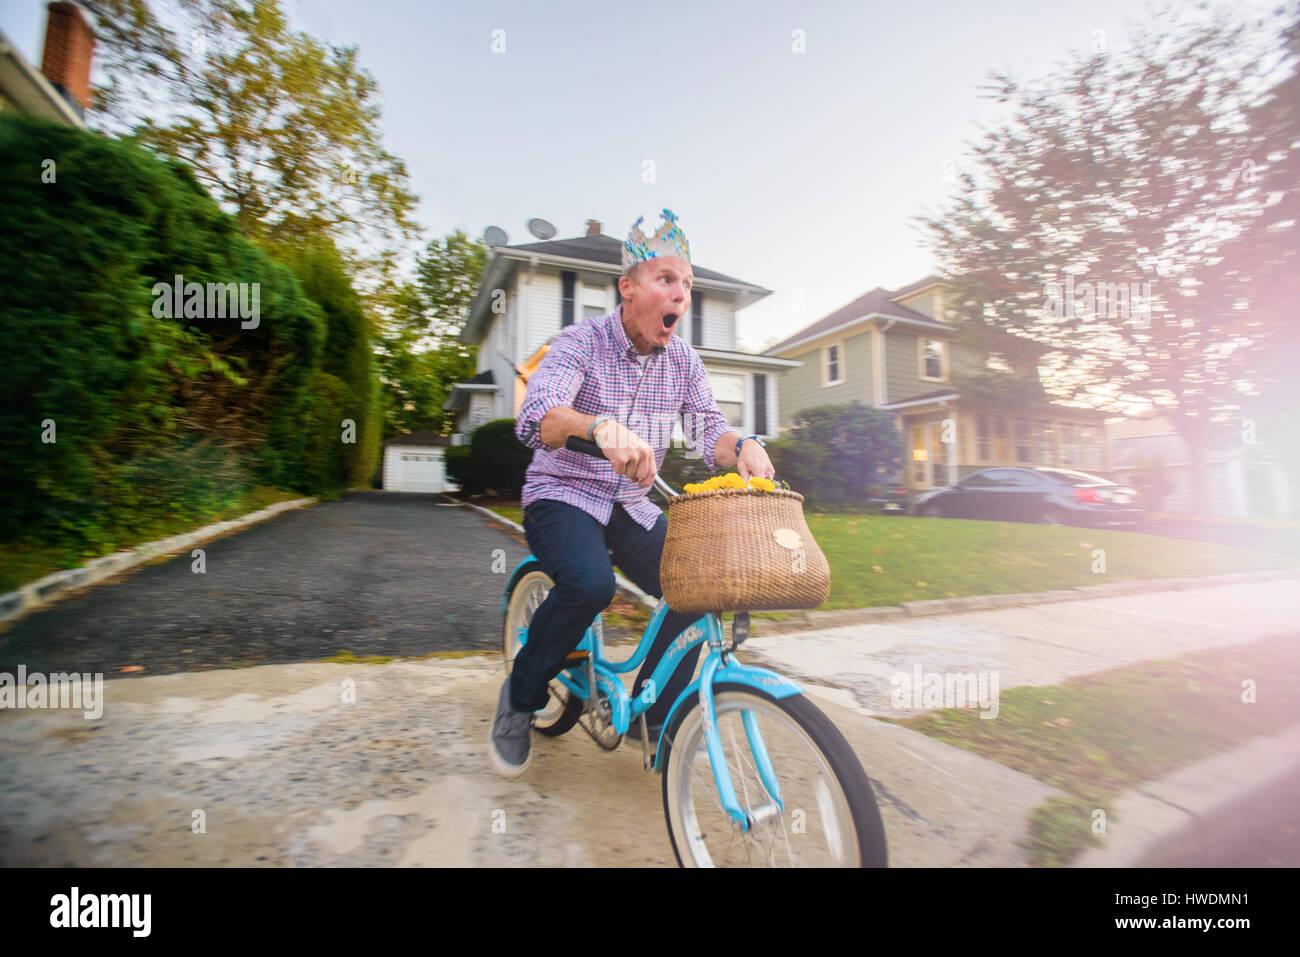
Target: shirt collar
{"x": 623, "y": 344}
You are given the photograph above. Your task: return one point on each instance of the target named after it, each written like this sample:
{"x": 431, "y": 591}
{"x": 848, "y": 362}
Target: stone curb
{"x": 45, "y": 591}
{"x": 952, "y": 606}
{"x": 619, "y": 580}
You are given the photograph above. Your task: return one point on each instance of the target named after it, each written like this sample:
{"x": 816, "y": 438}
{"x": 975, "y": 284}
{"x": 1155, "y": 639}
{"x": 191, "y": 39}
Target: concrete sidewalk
{"x": 331, "y": 764}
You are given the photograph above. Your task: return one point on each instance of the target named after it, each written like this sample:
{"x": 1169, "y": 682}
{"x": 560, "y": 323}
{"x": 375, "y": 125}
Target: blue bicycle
{"x": 753, "y": 773}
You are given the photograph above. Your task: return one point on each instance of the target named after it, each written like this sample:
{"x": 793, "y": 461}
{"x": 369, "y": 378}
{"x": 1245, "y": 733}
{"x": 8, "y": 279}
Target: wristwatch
{"x": 761, "y": 443}
{"x": 595, "y": 424}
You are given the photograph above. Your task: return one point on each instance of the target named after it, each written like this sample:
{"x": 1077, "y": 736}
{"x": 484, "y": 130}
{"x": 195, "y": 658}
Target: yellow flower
{"x": 763, "y": 484}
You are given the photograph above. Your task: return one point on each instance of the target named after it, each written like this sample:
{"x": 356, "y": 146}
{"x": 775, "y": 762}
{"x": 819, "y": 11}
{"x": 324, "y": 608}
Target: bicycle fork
{"x": 721, "y": 775}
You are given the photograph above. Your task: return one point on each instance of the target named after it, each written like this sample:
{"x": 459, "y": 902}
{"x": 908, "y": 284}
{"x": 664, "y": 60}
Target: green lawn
{"x": 884, "y": 560}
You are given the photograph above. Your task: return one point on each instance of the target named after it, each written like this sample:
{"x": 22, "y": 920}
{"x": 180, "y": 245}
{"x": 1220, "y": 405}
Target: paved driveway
{"x": 376, "y": 573}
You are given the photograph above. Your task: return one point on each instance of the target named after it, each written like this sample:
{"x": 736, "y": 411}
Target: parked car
{"x": 889, "y": 499}
{"x": 1049, "y": 496}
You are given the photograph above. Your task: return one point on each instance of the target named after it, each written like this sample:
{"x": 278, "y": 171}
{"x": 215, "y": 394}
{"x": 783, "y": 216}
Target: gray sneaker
{"x": 510, "y": 744}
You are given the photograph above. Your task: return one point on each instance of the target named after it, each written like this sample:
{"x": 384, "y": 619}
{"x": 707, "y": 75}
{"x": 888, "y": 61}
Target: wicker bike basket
{"x": 741, "y": 550}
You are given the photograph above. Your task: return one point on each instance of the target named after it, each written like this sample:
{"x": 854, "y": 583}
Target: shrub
{"x": 500, "y": 459}
{"x": 459, "y": 463}
{"x": 836, "y": 453}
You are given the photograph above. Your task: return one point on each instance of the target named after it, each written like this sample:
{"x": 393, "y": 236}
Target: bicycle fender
{"x": 778, "y": 686}
{"x": 518, "y": 573}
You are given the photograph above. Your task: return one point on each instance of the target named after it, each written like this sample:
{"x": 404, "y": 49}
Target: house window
{"x": 985, "y": 430}
{"x": 1070, "y": 444}
{"x": 697, "y": 318}
{"x": 729, "y": 391}
{"x": 568, "y": 280}
{"x": 760, "y": 403}
{"x": 595, "y": 300}
{"x": 833, "y": 365}
{"x": 932, "y": 359}
{"x": 1029, "y": 442}
{"x": 1001, "y": 439}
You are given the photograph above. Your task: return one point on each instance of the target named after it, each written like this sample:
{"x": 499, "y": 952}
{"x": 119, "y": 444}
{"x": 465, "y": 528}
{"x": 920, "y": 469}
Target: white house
{"x": 532, "y": 291}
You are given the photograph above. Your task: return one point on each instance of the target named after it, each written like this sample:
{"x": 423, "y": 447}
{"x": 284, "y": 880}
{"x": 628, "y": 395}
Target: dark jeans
{"x": 575, "y": 550}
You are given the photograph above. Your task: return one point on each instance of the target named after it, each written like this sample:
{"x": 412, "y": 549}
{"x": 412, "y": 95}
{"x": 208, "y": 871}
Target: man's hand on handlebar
{"x": 627, "y": 452}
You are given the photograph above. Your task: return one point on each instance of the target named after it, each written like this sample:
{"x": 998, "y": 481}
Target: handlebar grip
{"x": 585, "y": 446}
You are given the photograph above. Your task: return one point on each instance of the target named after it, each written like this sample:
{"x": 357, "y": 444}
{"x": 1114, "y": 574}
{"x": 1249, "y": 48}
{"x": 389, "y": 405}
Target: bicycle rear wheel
{"x": 830, "y": 817}
{"x": 526, "y": 597}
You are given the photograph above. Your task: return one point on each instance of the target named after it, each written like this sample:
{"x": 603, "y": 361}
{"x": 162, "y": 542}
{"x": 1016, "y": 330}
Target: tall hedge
{"x": 144, "y": 410}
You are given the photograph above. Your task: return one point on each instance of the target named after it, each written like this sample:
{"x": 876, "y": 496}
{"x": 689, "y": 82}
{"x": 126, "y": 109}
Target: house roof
{"x": 878, "y": 302}
{"x": 419, "y": 437}
{"x": 604, "y": 253}
{"x": 609, "y": 251}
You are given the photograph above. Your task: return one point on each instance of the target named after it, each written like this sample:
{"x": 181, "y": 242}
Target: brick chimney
{"x": 593, "y": 227}
{"x": 69, "y": 44}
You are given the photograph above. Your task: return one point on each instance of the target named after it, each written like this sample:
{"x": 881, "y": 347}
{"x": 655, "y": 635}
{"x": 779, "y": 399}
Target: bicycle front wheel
{"x": 829, "y": 816}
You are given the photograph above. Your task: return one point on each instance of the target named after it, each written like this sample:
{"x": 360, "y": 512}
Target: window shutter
{"x": 760, "y": 403}
{"x": 618, "y": 299}
{"x": 697, "y": 319}
{"x": 568, "y": 281}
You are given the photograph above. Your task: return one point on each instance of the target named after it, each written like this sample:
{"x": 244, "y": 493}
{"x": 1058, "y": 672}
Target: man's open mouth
{"x": 669, "y": 319}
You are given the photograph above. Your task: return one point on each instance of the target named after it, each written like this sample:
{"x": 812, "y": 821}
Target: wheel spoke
{"x": 823, "y": 831}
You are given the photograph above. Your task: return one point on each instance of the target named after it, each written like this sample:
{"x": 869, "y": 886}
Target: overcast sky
{"x": 798, "y": 171}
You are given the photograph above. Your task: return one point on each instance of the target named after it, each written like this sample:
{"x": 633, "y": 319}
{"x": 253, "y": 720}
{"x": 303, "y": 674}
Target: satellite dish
{"x": 495, "y": 236}
{"x": 541, "y": 228}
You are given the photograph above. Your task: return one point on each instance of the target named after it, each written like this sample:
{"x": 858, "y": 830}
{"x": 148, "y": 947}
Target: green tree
{"x": 281, "y": 129}
{"x": 1126, "y": 170}
{"x": 421, "y": 356}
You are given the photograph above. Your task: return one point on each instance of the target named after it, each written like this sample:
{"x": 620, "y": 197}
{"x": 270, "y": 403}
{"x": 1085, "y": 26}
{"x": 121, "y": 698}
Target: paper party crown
{"x": 668, "y": 241}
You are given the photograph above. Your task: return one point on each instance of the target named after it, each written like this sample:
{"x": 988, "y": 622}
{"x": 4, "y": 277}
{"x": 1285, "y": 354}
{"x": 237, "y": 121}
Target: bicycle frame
{"x": 718, "y": 666}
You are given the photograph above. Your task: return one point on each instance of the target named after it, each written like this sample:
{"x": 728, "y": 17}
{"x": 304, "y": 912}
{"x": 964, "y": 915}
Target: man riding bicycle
{"x": 621, "y": 381}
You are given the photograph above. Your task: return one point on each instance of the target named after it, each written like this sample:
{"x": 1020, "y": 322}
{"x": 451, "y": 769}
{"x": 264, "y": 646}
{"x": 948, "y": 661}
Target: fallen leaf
{"x": 898, "y": 535}
{"x": 132, "y": 668}
{"x": 920, "y": 584}
{"x": 876, "y": 568}
{"x": 1065, "y": 722}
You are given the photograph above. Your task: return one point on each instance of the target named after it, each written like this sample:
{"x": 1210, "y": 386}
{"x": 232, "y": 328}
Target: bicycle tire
{"x": 789, "y": 726}
{"x": 529, "y": 591}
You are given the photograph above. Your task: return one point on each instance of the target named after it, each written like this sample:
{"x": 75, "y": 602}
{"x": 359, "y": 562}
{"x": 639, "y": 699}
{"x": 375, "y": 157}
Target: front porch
{"x": 947, "y": 438}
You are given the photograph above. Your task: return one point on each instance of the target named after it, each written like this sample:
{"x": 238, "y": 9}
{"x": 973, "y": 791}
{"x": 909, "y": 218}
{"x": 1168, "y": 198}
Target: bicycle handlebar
{"x": 587, "y": 447}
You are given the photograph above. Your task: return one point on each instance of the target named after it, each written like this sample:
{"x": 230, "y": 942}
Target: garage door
{"x": 420, "y": 472}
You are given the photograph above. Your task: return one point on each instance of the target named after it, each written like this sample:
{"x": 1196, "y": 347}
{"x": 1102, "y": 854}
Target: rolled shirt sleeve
{"x": 702, "y": 422}
{"x": 556, "y": 382}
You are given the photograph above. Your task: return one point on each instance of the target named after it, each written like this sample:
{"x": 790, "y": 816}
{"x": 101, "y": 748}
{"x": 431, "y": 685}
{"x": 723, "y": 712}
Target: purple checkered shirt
{"x": 592, "y": 367}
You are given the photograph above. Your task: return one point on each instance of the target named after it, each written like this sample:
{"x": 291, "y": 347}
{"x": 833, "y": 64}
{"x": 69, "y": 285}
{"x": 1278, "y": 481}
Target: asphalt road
{"x": 376, "y": 573}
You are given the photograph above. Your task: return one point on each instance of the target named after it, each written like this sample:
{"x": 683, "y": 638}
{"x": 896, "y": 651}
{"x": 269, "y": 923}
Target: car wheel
{"x": 1052, "y": 516}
